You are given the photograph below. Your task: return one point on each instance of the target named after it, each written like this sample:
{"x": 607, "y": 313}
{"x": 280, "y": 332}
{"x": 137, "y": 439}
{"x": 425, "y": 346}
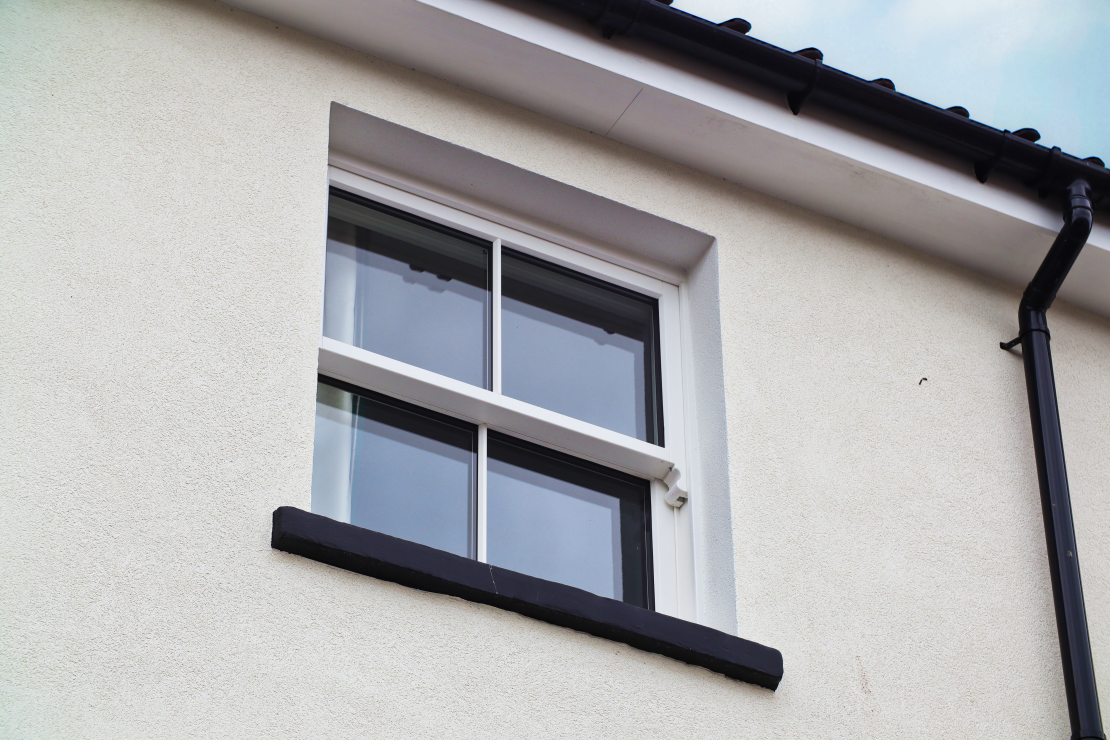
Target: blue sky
{"x": 1043, "y": 64}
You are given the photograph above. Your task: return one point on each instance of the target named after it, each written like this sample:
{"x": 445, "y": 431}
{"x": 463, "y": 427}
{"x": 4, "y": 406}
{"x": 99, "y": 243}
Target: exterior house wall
{"x": 164, "y": 182}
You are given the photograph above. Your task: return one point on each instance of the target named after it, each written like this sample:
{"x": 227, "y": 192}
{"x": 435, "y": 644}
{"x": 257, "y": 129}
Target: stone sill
{"x": 409, "y": 564}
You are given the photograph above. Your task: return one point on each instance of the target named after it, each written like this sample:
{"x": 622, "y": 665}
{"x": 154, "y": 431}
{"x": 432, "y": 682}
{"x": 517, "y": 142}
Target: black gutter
{"x": 1059, "y": 529}
{"x": 805, "y": 80}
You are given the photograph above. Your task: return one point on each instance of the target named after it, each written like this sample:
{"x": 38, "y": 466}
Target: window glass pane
{"x": 408, "y": 289}
{"x": 563, "y": 520}
{"x": 396, "y": 469}
{"x": 574, "y": 345}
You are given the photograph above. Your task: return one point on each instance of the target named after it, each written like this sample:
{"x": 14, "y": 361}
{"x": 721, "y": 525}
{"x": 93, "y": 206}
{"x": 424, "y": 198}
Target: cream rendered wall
{"x": 164, "y": 171}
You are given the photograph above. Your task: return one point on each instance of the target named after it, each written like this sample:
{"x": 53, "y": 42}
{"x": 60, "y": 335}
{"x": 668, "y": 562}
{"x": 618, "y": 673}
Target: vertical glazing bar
{"x": 482, "y": 455}
{"x": 496, "y": 315}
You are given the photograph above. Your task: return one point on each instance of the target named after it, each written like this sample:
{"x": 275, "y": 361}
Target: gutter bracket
{"x": 983, "y": 167}
{"x": 619, "y": 17}
{"x": 1043, "y": 183}
{"x": 797, "y": 98}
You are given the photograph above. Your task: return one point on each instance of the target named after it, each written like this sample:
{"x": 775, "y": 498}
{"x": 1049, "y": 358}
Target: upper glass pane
{"x": 575, "y": 345}
{"x": 408, "y": 289}
{"x": 387, "y": 466}
{"x": 564, "y": 520}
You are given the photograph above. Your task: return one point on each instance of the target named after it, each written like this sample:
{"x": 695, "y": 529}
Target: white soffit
{"x": 702, "y": 118}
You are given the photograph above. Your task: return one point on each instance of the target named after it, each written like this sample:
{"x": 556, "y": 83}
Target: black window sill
{"x": 407, "y": 563}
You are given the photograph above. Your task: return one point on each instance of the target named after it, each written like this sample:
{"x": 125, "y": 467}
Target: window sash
{"x": 423, "y": 293}
{"x": 425, "y": 477}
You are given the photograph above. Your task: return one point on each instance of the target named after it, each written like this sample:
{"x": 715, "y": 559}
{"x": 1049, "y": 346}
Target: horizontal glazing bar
{"x": 377, "y": 373}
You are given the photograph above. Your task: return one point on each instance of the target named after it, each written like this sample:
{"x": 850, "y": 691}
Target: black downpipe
{"x": 1059, "y": 528}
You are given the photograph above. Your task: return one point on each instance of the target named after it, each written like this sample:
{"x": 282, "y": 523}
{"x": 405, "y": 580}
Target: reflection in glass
{"x": 407, "y": 288}
{"x": 574, "y": 345}
{"x": 396, "y": 469}
{"x": 564, "y": 520}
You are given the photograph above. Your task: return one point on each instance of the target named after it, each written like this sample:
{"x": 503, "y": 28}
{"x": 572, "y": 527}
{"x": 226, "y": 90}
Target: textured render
{"x": 164, "y": 194}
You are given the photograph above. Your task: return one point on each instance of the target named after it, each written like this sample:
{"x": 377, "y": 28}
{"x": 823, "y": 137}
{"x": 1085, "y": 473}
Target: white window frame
{"x": 666, "y": 466}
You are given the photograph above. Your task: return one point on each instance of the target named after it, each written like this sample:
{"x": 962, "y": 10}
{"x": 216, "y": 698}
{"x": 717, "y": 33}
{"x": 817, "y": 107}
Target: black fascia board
{"x": 410, "y": 564}
{"x": 985, "y": 147}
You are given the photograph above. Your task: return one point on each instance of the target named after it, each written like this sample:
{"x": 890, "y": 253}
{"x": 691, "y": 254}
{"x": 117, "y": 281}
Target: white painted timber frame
{"x": 665, "y": 466}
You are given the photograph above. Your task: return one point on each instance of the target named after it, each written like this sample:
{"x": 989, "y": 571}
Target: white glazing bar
{"x": 482, "y": 456}
{"x": 496, "y": 340}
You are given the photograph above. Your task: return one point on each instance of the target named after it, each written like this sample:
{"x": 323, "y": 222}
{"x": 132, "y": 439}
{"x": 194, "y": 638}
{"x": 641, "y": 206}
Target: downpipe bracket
{"x": 1043, "y": 328}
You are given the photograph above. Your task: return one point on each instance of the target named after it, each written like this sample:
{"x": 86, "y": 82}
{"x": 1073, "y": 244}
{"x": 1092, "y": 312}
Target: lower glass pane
{"x": 564, "y": 520}
{"x": 393, "y": 468}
